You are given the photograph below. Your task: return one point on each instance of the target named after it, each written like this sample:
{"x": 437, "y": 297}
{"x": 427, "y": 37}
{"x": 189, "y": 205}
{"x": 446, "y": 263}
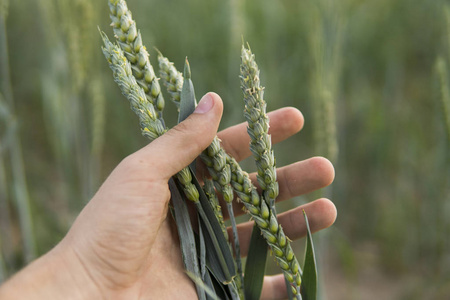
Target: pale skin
{"x": 124, "y": 244}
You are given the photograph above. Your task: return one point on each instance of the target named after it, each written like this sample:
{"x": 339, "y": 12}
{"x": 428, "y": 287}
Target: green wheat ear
{"x": 130, "y": 40}
{"x": 267, "y": 222}
{"x": 171, "y": 78}
{"x": 151, "y": 125}
{"x": 258, "y": 126}
{"x": 261, "y": 147}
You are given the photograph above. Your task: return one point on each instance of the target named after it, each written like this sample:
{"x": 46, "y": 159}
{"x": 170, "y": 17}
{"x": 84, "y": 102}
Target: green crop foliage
{"x": 393, "y": 165}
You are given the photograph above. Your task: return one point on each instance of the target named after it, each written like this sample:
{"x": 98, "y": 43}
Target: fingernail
{"x": 205, "y": 104}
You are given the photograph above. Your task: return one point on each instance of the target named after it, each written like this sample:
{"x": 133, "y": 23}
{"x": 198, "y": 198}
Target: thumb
{"x": 179, "y": 146}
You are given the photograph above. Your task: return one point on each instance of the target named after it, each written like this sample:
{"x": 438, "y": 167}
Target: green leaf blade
{"x": 255, "y": 265}
{"x": 187, "y": 101}
{"x": 214, "y": 238}
{"x": 309, "y": 278}
{"x": 186, "y": 234}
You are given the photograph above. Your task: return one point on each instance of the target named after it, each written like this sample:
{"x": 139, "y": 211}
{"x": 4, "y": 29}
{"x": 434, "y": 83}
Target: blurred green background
{"x": 370, "y": 78}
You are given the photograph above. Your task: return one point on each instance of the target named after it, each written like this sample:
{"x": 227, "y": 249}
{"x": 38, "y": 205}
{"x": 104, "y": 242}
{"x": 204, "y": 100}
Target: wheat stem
{"x": 17, "y": 167}
{"x": 441, "y": 67}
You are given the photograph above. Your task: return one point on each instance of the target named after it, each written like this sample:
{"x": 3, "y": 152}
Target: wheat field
{"x": 370, "y": 77}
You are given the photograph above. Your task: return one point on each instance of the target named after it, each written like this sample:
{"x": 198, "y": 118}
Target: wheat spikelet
{"x": 210, "y": 192}
{"x": 258, "y": 126}
{"x": 130, "y": 40}
{"x": 214, "y": 158}
{"x": 171, "y": 78}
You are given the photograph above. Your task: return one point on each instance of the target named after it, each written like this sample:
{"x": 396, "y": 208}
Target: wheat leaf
{"x": 255, "y": 265}
{"x": 218, "y": 250}
{"x": 187, "y": 239}
{"x": 309, "y": 278}
{"x": 198, "y": 281}
{"x": 202, "y": 245}
{"x": 187, "y": 99}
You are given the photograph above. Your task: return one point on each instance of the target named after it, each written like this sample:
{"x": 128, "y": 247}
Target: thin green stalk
{"x": 98, "y": 102}
{"x": 6, "y": 226}
{"x": 18, "y": 171}
{"x": 441, "y": 67}
{"x": 223, "y": 263}
{"x": 3, "y": 271}
{"x": 237, "y": 247}
{"x": 326, "y": 51}
{"x": 5, "y": 221}
{"x": 4, "y": 7}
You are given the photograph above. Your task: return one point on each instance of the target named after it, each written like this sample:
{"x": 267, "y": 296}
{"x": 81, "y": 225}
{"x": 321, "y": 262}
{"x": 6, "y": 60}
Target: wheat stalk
{"x": 130, "y": 40}
{"x": 441, "y": 67}
{"x": 4, "y": 7}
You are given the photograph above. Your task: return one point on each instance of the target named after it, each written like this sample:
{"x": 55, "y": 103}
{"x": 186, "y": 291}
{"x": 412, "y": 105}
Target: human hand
{"x": 124, "y": 245}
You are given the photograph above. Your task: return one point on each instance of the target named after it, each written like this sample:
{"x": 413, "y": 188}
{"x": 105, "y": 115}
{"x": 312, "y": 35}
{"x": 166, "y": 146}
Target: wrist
{"x": 58, "y": 274}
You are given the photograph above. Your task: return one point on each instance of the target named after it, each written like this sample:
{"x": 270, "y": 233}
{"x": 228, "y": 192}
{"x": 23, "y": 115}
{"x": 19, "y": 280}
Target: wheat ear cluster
{"x": 152, "y": 126}
{"x": 171, "y": 78}
{"x": 225, "y": 170}
{"x": 258, "y": 126}
{"x": 130, "y": 40}
{"x": 214, "y": 156}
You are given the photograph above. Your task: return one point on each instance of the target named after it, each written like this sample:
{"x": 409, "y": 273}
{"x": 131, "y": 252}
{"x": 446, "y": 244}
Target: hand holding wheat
{"x": 124, "y": 243}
